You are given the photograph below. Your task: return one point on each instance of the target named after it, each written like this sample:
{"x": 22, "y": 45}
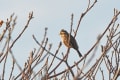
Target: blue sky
{"x": 56, "y": 15}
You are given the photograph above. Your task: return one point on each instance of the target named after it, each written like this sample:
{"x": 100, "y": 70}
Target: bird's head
{"x": 63, "y": 32}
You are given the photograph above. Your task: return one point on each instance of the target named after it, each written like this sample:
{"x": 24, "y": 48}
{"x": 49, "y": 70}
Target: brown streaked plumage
{"x": 70, "y": 44}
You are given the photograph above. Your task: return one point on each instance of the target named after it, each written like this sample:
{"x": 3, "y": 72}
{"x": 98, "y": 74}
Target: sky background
{"x": 56, "y": 15}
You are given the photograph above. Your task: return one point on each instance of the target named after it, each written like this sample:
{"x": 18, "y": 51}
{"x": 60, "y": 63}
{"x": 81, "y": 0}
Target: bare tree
{"x": 108, "y": 55}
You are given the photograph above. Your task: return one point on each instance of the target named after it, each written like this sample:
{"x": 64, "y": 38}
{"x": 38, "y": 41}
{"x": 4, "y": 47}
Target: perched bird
{"x": 70, "y": 43}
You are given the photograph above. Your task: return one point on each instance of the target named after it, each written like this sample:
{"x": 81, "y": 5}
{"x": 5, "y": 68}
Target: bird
{"x": 69, "y": 42}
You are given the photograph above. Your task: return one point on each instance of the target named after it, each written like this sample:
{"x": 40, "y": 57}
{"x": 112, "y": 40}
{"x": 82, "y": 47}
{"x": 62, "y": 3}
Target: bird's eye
{"x": 61, "y": 32}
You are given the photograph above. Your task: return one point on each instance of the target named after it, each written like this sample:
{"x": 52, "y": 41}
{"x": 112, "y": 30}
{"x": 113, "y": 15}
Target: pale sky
{"x": 56, "y": 15}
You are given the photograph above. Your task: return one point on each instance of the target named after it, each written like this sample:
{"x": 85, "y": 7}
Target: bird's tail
{"x": 79, "y": 53}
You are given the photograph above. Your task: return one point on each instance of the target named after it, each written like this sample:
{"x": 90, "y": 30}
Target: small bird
{"x": 69, "y": 43}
